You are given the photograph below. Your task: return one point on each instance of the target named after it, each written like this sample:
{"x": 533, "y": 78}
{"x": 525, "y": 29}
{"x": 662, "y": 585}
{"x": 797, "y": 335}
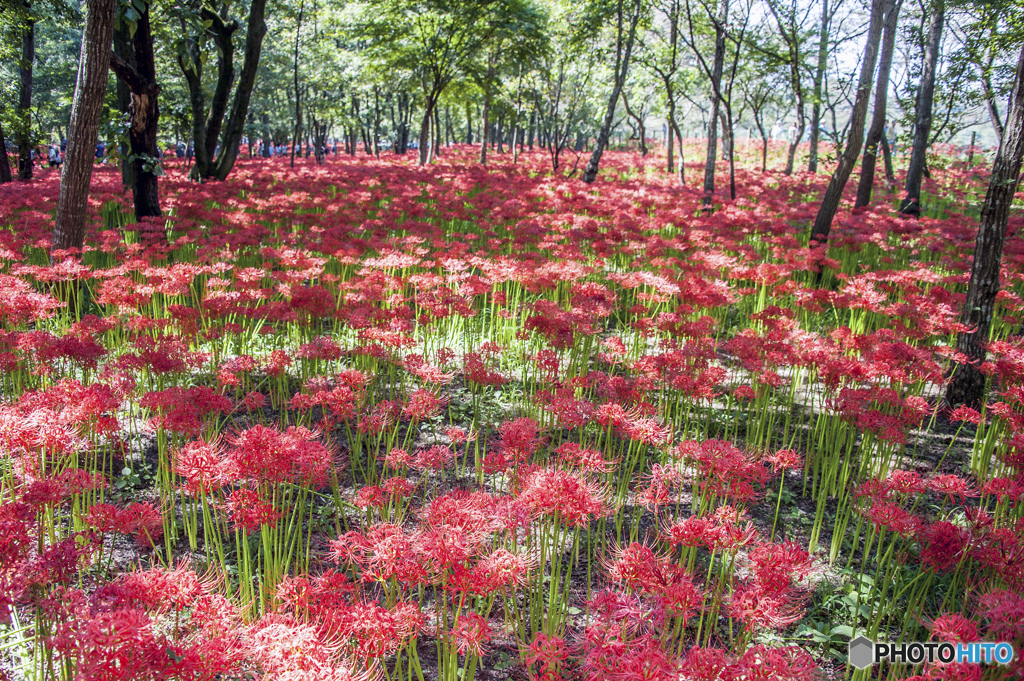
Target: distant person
{"x": 101, "y": 150}
{"x": 179, "y": 150}
{"x": 792, "y": 133}
{"x": 776, "y": 131}
{"x": 55, "y": 157}
{"x": 64, "y": 146}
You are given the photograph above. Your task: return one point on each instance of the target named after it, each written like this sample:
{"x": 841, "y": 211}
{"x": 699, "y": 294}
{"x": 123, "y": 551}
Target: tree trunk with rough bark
{"x": 86, "y": 108}
{"x": 139, "y": 78}
{"x": 877, "y": 129}
{"x": 967, "y": 383}
{"x": 23, "y": 133}
{"x": 716, "y": 84}
{"x": 855, "y": 138}
{"x": 819, "y": 78}
{"x": 911, "y": 204}
{"x": 428, "y": 115}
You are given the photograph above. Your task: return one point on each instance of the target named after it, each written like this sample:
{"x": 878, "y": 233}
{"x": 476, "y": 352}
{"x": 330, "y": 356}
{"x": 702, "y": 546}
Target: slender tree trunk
{"x": 877, "y": 129}
{"x": 671, "y": 129}
{"x": 5, "y": 162}
{"x": 435, "y": 147}
{"x": 967, "y": 383}
{"x": 731, "y": 136}
{"x": 819, "y": 79}
{"x": 624, "y": 47}
{"x": 376, "y": 121}
{"x": 716, "y": 84}
{"x": 887, "y": 157}
{"x": 469, "y": 124}
{"x": 990, "y": 104}
{"x": 855, "y": 138}
{"x": 911, "y": 204}
{"x": 428, "y": 114}
{"x": 295, "y": 78}
{"x": 23, "y": 133}
{"x": 485, "y": 116}
{"x": 86, "y": 108}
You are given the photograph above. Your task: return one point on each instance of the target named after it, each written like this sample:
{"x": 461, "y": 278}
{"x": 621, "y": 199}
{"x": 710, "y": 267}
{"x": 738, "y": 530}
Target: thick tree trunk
{"x": 819, "y": 78}
{"x": 5, "y": 162}
{"x": 86, "y": 108}
{"x": 967, "y": 383}
{"x": 877, "y": 129}
{"x": 23, "y": 133}
{"x": 855, "y": 138}
{"x": 923, "y": 124}
{"x": 716, "y": 84}
{"x": 125, "y": 51}
{"x": 139, "y": 77}
{"x": 623, "y": 51}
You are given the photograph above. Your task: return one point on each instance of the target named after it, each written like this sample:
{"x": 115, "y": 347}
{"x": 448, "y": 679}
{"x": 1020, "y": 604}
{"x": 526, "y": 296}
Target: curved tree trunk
{"x": 923, "y": 125}
{"x": 877, "y": 129}
{"x": 624, "y": 46}
{"x": 967, "y": 383}
{"x": 86, "y": 108}
{"x": 255, "y": 30}
{"x": 855, "y": 138}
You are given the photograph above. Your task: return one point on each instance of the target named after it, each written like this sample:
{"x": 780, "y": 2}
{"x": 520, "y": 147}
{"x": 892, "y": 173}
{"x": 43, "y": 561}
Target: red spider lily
{"x": 570, "y": 499}
{"x": 520, "y": 439}
{"x": 954, "y": 628}
{"x": 433, "y": 458}
{"x": 248, "y": 512}
{"x": 783, "y": 460}
{"x": 138, "y": 520}
{"x": 708, "y": 664}
{"x": 471, "y": 633}
{"x": 587, "y": 460}
{"x": 723, "y": 469}
{"x": 640, "y": 569}
{"x": 759, "y": 608}
{"x": 265, "y": 455}
{"x": 792, "y": 663}
{"x": 423, "y": 405}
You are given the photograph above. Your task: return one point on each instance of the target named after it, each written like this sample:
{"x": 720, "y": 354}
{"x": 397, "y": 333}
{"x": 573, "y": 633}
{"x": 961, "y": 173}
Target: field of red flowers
{"x": 370, "y": 420}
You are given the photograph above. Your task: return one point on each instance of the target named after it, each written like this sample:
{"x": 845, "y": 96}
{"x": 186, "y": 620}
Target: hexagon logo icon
{"x": 862, "y": 652}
